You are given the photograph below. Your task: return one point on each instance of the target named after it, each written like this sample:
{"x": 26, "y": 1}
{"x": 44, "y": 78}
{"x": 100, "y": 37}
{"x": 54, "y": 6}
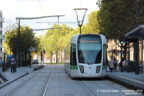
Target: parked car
{"x": 35, "y": 61}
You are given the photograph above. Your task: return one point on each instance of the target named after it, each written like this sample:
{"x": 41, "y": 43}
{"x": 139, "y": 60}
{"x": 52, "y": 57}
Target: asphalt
{"x": 21, "y": 72}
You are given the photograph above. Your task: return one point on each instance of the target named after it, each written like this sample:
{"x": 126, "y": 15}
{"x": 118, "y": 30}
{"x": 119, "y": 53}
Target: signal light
{"x": 121, "y": 42}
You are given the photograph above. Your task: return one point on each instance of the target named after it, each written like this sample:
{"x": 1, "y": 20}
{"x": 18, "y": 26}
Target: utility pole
{"x": 1, "y": 39}
{"x": 137, "y": 12}
{"x": 1, "y": 35}
{"x": 18, "y": 43}
{"x": 136, "y": 45}
{"x": 121, "y": 65}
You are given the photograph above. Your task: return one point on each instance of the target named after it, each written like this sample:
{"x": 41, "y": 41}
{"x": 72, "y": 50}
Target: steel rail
{"x": 15, "y": 89}
{"x": 87, "y": 90}
{"x": 44, "y": 93}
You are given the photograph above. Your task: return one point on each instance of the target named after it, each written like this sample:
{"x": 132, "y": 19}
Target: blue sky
{"x": 34, "y": 8}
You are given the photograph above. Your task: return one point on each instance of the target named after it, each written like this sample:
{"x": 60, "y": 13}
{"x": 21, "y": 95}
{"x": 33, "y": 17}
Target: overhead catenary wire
{"x": 29, "y": 18}
{"x": 45, "y": 29}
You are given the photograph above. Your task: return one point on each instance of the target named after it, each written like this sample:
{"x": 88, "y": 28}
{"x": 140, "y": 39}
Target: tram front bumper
{"x": 85, "y": 75}
{"x": 92, "y": 75}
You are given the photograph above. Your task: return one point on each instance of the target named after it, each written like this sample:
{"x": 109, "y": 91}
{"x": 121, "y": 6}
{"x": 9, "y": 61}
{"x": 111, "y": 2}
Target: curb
{"x": 9, "y": 82}
{"x": 39, "y": 67}
{"x": 127, "y": 82}
{"x": 3, "y": 78}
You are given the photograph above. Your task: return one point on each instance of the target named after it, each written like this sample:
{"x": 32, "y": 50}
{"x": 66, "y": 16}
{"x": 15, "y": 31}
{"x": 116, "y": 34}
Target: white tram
{"x": 85, "y": 56}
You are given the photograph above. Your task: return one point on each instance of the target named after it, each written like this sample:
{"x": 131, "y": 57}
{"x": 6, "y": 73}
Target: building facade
{"x": 1, "y": 35}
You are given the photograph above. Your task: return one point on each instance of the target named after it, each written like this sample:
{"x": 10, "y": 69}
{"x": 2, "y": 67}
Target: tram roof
{"x": 84, "y": 35}
{"x": 75, "y": 37}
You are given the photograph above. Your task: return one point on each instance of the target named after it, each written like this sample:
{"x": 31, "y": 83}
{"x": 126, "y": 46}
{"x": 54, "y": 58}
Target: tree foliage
{"x": 56, "y": 39}
{"x": 117, "y": 17}
{"x": 23, "y": 41}
{"x": 92, "y": 25}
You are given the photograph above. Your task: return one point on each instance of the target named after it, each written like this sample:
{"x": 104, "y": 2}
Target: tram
{"x": 85, "y": 56}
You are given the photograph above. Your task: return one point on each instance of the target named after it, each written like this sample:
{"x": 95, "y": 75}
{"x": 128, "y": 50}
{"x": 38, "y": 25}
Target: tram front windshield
{"x": 89, "y": 49}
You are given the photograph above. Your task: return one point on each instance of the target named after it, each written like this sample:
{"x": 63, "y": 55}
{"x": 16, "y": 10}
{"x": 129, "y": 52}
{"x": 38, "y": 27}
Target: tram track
{"x": 93, "y": 92}
{"x": 114, "y": 88}
{"x": 47, "y": 84}
{"x": 88, "y": 90}
{"x": 15, "y": 89}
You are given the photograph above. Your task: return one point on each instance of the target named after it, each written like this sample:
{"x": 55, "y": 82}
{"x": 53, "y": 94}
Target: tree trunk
{"x": 57, "y": 56}
{"x": 51, "y": 53}
{"x": 62, "y": 56}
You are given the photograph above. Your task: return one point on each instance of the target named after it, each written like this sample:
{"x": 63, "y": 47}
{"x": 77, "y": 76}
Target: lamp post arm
{"x": 77, "y": 18}
{"x": 83, "y": 17}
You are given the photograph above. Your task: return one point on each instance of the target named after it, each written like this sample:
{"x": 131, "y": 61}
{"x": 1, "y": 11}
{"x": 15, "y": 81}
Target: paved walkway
{"x": 21, "y": 71}
{"x": 132, "y": 75}
{"x": 129, "y": 78}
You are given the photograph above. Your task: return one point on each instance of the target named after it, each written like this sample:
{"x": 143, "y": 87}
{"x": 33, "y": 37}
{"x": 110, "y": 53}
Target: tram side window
{"x": 105, "y": 61}
{"x": 73, "y": 55}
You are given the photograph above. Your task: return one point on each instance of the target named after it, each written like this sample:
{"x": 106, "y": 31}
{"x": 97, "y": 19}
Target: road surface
{"x": 53, "y": 81}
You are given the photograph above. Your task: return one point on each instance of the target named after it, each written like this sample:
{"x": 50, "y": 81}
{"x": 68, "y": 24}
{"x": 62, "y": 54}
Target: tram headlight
{"x": 81, "y": 68}
{"x": 98, "y": 69}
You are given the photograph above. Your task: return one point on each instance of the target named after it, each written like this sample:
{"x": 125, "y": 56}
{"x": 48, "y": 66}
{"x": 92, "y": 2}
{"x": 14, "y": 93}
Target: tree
{"x": 92, "y": 25}
{"x": 26, "y": 39}
{"x": 22, "y": 42}
{"x": 36, "y": 44}
{"x": 117, "y": 17}
{"x": 6, "y": 48}
{"x": 55, "y": 40}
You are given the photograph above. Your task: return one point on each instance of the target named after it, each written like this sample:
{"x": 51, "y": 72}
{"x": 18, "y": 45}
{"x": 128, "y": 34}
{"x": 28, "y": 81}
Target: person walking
{"x": 125, "y": 65}
{"x": 111, "y": 64}
{"x": 117, "y": 67}
{"x": 115, "y": 64}
{"x": 13, "y": 64}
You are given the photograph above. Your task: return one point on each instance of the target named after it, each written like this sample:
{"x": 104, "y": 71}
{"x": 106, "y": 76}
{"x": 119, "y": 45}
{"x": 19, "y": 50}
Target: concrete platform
{"x": 131, "y": 80}
{"x": 21, "y": 71}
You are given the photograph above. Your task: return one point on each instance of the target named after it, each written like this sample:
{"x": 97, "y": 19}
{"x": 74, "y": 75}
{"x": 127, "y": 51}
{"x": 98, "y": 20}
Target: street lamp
{"x": 78, "y": 21}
